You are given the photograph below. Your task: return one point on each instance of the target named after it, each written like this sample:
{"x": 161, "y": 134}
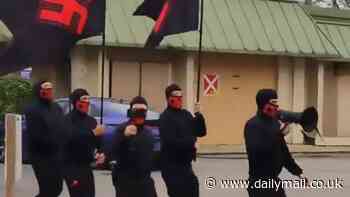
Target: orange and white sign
{"x": 211, "y": 84}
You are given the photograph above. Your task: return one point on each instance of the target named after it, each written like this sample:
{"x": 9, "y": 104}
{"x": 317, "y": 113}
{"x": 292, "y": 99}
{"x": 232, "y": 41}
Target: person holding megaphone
{"x": 266, "y": 147}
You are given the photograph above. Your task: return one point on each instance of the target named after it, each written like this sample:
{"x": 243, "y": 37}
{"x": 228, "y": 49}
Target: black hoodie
{"x": 178, "y": 134}
{"x": 47, "y": 131}
{"x": 134, "y": 154}
{"x": 82, "y": 145}
{"x": 266, "y": 147}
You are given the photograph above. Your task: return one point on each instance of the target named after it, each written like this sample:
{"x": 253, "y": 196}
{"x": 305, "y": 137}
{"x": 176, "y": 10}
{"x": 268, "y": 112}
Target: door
{"x": 155, "y": 77}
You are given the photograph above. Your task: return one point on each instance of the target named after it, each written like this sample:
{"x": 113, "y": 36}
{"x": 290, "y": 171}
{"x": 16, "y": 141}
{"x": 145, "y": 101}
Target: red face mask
{"x": 46, "y": 94}
{"x": 138, "y": 121}
{"x": 175, "y": 102}
{"x": 83, "y": 106}
{"x": 271, "y": 110}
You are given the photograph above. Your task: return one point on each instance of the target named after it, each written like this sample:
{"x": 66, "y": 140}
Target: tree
{"x": 14, "y": 95}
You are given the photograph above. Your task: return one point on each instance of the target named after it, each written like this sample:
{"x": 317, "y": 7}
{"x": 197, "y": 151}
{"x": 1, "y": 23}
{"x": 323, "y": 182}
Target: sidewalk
{"x": 295, "y": 149}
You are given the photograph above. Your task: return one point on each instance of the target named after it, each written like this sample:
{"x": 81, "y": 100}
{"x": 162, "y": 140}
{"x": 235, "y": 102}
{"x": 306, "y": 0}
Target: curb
{"x": 298, "y": 152}
{"x": 239, "y": 155}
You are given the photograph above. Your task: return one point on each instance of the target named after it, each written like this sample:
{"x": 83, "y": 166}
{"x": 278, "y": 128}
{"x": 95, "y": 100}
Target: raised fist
{"x": 99, "y": 130}
{"x": 130, "y": 130}
{"x": 100, "y": 158}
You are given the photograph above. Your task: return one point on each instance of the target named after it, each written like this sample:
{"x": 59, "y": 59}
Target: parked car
{"x": 114, "y": 113}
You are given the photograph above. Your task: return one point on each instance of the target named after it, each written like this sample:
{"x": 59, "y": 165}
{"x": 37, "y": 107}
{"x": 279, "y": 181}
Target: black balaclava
{"x": 75, "y": 97}
{"x": 138, "y": 100}
{"x": 263, "y": 98}
{"x": 171, "y": 88}
{"x": 174, "y": 102}
{"x": 36, "y": 91}
{"x": 138, "y": 116}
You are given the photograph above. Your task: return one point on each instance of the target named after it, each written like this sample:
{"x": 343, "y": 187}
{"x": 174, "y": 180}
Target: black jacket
{"x": 81, "y": 147}
{"x": 266, "y": 148}
{"x": 47, "y": 131}
{"x": 178, "y": 133}
{"x": 134, "y": 154}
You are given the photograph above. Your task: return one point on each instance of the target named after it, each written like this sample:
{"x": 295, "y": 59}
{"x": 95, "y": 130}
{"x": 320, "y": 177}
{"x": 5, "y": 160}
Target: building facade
{"x": 302, "y": 52}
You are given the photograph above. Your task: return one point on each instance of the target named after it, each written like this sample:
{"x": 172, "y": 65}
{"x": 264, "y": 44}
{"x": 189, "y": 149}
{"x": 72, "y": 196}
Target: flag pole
{"x": 200, "y": 50}
{"x": 140, "y": 78}
{"x": 103, "y": 72}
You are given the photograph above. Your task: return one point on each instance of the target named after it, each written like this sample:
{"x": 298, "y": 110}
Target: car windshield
{"x": 110, "y": 109}
{"x": 64, "y": 105}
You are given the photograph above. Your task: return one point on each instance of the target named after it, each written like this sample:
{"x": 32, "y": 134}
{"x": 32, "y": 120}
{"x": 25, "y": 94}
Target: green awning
{"x": 334, "y": 24}
{"x": 233, "y": 26}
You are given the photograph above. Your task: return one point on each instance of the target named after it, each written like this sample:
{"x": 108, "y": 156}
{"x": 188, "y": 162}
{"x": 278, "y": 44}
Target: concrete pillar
{"x": 190, "y": 82}
{"x": 85, "y": 70}
{"x": 299, "y": 95}
{"x": 285, "y": 83}
{"x": 320, "y": 100}
{"x": 183, "y": 73}
{"x": 285, "y": 87}
{"x": 13, "y": 153}
{"x": 79, "y": 69}
{"x": 106, "y": 75}
{"x": 320, "y": 95}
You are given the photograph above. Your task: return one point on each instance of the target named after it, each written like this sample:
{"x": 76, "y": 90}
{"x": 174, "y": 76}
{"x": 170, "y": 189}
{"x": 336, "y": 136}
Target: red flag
{"x": 44, "y": 31}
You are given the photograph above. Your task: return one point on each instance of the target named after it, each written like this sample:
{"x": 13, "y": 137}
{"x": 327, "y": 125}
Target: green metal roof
{"x": 334, "y": 25}
{"x": 5, "y": 34}
{"x": 234, "y": 26}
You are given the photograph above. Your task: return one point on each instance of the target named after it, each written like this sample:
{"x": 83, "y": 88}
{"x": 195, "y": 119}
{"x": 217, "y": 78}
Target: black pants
{"x": 128, "y": 185}
{"x": 180, "y": 181}
{"x": 80, "y": 180}
{"x": 264, "y": 192}
{"x": 49, "y": 177}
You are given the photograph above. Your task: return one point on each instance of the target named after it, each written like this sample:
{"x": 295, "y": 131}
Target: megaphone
{"x": 308, "y": 119}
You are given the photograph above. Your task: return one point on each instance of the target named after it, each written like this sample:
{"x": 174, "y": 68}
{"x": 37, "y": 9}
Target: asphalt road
{"x": 325, "y": 167}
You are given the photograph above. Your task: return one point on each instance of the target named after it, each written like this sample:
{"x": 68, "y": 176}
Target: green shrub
{"x": 14, "y": 95}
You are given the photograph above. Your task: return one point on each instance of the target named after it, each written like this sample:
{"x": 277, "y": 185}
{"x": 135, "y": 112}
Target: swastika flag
{"x": 44, "y": 31}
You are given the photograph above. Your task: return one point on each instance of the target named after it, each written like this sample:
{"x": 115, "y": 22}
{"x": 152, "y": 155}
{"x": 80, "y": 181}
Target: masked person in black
{"x": 80, "y": 150}
{"x": 266, "y": 148}
{"x": 133, "y": 152}
{"x": 47, "y": 136}
{"x": 178, "y": 133}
